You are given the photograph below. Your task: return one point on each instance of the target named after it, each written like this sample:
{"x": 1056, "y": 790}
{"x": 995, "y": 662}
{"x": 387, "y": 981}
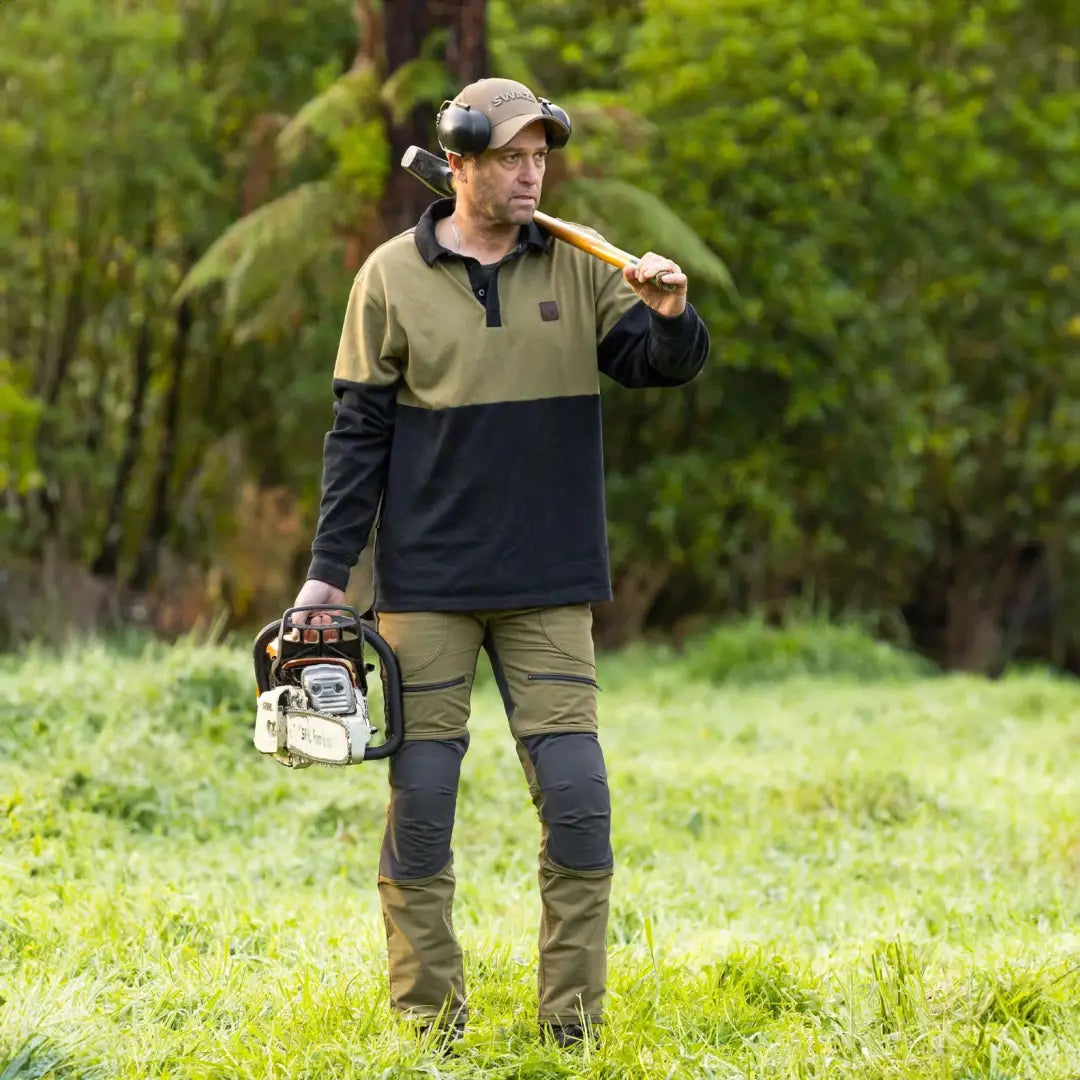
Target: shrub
{"x": 749, "y": 651}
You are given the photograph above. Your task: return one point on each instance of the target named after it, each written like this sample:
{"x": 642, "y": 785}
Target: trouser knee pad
{"x": 575, "y": 804}
{"x": 424, "y": 777}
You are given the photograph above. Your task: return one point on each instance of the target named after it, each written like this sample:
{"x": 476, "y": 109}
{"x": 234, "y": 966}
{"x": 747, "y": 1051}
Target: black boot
{"x": 564, "y": 1035}
{"x": 442, "y": 1037}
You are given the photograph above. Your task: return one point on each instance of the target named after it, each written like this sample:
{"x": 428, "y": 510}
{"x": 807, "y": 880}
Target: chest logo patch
{"x": 549, "y": 310}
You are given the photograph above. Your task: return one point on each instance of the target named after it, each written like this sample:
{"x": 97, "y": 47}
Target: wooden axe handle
{"x": 434, "y": 172}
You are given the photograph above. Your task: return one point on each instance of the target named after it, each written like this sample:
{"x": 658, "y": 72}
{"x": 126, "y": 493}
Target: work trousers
{"x": 544, "y": 665}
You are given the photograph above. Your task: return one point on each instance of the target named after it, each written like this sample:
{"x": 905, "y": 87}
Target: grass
{"x": 818, "y": 876}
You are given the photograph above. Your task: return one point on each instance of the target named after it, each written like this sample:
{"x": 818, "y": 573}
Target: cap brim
{"x": 503, "y": 132}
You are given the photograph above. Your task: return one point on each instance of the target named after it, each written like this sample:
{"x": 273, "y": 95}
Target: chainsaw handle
{"x": 341, "y": 615}
{"x": 393, "y": 706}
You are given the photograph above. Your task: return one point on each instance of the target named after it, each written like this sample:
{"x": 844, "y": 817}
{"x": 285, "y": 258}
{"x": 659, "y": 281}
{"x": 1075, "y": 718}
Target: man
{"x": 467, "y": 415}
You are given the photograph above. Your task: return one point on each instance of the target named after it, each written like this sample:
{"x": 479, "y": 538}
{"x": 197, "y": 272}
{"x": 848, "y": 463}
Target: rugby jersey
{"x": 467, "y": 420}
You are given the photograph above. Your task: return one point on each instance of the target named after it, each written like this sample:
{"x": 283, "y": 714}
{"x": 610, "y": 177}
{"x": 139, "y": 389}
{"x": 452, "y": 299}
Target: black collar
{"x": 532, "y": 236}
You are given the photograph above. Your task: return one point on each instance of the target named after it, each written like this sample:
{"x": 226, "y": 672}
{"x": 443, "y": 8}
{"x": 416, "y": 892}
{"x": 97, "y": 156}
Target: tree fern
{"x": 420, "y": 81}
{"x": 354, "y": 97}
{"x": 256, "y": 254}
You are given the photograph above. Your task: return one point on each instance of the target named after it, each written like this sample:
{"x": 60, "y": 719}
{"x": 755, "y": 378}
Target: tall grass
{"x": 825, "y": 869}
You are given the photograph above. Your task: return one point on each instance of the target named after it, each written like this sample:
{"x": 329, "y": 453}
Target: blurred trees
{"x": 894, "y": 420}
{"x": 891, "y": 421}
{"x": 125, "y": 148}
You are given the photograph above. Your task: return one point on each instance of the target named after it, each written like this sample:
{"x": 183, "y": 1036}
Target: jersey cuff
{"x": 669, "y": 326}
{"x": 328, "y": 569}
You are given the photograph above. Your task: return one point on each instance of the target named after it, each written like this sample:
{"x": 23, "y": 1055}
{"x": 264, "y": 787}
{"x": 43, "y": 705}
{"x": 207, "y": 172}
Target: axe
{"x": 432, "y": 171}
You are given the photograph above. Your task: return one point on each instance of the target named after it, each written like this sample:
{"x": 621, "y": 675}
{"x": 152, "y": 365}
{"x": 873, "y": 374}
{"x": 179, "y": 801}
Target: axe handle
{"x": 434, "y": 172}
{"x": 585, "y": 240}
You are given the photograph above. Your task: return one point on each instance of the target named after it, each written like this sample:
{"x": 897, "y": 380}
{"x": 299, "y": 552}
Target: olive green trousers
{"x": 544, "y": 664}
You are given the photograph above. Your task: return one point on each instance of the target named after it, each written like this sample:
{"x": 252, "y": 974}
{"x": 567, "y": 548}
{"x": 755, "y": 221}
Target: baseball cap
{"x": 509, "y": 106}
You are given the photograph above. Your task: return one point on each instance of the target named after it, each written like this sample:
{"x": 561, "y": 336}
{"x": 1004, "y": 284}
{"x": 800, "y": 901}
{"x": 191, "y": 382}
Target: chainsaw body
{"x": 312, "y": 706}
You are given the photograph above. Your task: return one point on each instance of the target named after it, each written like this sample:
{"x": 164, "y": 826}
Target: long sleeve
{"x": 639, "y": 348}
{"x": 356, "y": 451}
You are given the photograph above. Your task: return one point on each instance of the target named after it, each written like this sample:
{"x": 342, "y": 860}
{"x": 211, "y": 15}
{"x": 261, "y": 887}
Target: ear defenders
{"x": 463, "y": 129}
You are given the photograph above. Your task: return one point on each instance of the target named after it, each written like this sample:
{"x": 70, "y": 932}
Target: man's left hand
{"x": 642, "y": 279}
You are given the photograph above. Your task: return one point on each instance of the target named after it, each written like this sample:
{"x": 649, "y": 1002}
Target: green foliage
{"x": 892, "y": 404}
{"x": 19, "y": 418}
{"x": 876, "y": 204}
{"x": 127, "y": 137}
{"x": 421, "y": 82}
{"x": 290, "y": 230}
{"x": 751, "y": 651}
{"x": 349, "y": 100}
{"x": 362, "y": 166}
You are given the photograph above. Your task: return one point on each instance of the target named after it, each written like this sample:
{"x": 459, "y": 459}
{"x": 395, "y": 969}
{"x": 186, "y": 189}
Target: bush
{"x": 750, "y": 651}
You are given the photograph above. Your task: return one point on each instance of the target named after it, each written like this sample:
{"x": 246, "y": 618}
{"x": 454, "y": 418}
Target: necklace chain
{"x": 457, "y": 235}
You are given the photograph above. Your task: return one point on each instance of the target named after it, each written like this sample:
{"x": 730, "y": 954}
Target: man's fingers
{"x": 670, "y": 277}
{"x": 322, "y": 618}
{"x": 656, "y": 270}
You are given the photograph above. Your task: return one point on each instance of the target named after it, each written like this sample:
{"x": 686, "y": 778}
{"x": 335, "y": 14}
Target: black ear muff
{"x": 462, "y": 129}
{"x": 557, "y": 140}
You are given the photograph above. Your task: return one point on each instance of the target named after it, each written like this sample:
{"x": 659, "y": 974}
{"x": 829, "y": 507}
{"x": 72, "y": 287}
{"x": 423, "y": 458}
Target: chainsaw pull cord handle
{"x": 261, "y": 654}
{"x": 393, "y": 705}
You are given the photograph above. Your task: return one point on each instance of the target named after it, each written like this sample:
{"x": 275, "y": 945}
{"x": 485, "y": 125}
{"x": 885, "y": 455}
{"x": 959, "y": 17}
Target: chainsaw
{"x": 312, "y": 706}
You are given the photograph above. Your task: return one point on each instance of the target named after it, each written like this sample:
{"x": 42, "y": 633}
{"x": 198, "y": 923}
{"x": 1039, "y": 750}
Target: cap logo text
{"x": 511, "y": 95}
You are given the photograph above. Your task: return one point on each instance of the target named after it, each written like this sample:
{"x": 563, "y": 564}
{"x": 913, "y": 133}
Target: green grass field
{"x": 817, "y": 877}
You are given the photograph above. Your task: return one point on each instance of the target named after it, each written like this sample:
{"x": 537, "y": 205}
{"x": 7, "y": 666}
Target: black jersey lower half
{"x": 494, "y": 506}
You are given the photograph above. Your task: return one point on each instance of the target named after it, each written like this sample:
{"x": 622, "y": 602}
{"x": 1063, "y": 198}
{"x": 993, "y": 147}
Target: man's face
{"x": 504, "y": 184}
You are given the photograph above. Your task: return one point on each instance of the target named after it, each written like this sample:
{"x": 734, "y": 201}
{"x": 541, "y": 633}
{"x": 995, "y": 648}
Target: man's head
{"x": 497, "y": 135}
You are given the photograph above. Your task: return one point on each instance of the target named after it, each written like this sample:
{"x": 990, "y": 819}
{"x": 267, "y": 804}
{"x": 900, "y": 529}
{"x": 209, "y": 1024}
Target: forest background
{"x": 878, "y": 205}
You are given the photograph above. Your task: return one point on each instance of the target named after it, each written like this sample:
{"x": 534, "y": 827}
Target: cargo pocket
{"x": 561, "y": 677}
{"x": 555, "y": 701}
{"x": 426, "y": 688}
{"x": 417, "y": 638}
{"x": 569, "y": 631}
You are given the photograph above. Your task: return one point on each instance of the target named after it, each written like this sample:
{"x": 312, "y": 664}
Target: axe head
{"x": 430, "y": 169}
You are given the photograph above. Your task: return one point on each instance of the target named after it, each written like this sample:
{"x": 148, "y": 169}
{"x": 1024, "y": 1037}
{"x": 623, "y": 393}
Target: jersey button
{"x": 480, "y": 292}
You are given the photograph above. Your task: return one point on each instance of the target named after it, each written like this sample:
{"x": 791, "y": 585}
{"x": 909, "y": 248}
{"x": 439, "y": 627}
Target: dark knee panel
{"x": 576, "y": 806}
{"x": 423, "y": 794}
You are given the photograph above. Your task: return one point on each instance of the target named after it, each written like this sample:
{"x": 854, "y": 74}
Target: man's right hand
{"x": 319, "y": 592}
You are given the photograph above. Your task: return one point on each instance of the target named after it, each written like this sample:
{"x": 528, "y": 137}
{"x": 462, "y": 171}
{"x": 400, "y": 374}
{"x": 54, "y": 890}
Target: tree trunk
{"x": 161, "y": 517}
{"x": 50, "y": 376}
{"x": 466, "y": 54}
{"x": 109, "y": 556}
{"x": 976, "y": 604}
{"x": 406, "y": 24}
{"x": 622, "y": 619}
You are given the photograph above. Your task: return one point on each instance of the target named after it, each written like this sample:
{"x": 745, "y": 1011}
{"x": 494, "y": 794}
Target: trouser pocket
{"x": 544, "y": 662}
{"x": 552, "y": 677}
{"x": 436, "y": 652}
{"x": 427, "y": 688}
